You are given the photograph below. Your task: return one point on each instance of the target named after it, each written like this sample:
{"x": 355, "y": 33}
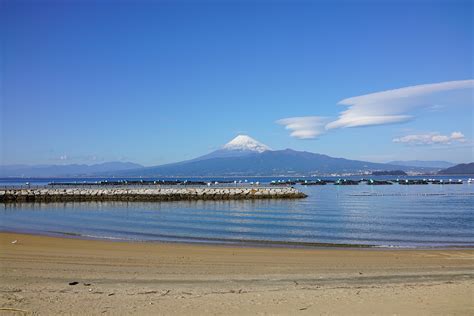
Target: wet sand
{"x": 178, "y": 279}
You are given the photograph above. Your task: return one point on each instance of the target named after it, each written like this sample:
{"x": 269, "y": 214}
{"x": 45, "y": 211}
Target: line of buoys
{"x": 141, "y": 183}
{"x": 367, "y": 181}
{"x": 288, "y": 182}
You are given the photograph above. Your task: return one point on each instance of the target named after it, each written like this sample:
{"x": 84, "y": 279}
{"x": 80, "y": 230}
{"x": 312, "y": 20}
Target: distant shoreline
{"x": 235, "y": 177}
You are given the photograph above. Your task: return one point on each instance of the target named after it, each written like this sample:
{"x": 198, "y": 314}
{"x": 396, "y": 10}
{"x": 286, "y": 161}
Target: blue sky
{"x": 161, "y": 81}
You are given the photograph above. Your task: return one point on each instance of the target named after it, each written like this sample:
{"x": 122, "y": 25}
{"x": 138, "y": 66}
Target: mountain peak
{"x": 246, "y": 143}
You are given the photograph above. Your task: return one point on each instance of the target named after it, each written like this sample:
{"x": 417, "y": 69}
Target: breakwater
{"x": 78, "y": 194}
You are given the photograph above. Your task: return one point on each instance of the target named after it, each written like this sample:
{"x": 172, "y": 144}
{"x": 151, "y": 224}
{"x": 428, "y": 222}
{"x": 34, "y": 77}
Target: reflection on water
{"x": 403, "y": 216}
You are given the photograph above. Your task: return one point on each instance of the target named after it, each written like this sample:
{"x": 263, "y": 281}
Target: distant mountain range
{"x": 242, "y": 156}
{"x": 464, "y": 168}
{"x": 422, "y": 163}
{"x": 72, "y": 170}
{"x": 279, "y": 162}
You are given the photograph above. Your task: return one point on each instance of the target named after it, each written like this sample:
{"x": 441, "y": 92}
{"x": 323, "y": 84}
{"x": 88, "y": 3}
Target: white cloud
{"x": 306, "y": 127}
{"x": 348, "y": 119}
{"x": 431, "y": 138}
{"x": 385, "y": 107}
{"x": 458, "y": 136}
{"x": 393, "y": 106}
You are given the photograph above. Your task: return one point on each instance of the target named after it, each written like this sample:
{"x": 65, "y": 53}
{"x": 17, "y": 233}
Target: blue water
{"x": 387, "y": 216}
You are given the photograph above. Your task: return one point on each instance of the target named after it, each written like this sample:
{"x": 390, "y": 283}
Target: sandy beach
{"x": 180, "y": 279}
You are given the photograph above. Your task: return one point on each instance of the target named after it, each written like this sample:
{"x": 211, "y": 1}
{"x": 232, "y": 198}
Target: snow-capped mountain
{"x": 242, "y": 145}
{"x": 245, "y": 143}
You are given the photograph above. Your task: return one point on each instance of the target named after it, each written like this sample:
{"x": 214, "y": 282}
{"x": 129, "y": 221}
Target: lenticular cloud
{"x": 393, "y": 106}
{"x": 385, "y": 107}
{"x": 306, "y": 127}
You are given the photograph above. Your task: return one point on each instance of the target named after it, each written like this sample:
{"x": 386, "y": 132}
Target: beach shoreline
{"x": 238, "y": 243}
{"x": 180, "y": 279}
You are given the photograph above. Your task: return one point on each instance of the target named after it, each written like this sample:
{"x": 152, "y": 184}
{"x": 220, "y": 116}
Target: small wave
{"x": 395, "y": 246}
{"x": 109, "y": 237}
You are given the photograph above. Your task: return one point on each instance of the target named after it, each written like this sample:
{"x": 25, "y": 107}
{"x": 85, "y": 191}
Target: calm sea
{"x": 386, "y": 216}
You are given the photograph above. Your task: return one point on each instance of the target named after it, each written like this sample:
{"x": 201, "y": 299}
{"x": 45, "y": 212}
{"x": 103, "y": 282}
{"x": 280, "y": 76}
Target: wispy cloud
{"x": 431, "y": 138}
{"x": 306, "y": 127}
{"x": 385, "y": 107}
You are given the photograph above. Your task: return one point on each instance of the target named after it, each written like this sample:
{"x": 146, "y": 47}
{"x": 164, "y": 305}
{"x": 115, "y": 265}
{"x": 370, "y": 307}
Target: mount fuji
{"x": 245, "y": 143}
{"x": 245, "y": 156}
{"x": 240, "y": 146}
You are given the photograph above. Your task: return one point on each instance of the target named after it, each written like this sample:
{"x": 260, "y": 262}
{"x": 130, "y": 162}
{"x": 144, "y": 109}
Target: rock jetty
{"x": 145, "y": 194}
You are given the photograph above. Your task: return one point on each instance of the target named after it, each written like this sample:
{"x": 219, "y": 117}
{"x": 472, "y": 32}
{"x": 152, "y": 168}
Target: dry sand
{"x": 162, "y": 279}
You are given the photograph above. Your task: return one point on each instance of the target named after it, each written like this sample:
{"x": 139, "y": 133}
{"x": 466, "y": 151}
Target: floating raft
{"x": 346, "y": 182}
{"x": 447, "y": 181}
{"x": 378, "y": 182}
{"x": 79, "y": 194}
